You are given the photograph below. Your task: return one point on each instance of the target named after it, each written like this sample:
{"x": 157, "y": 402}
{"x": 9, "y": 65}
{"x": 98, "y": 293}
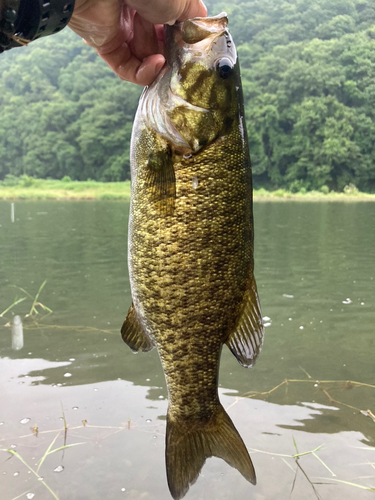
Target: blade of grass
{"x": 286, "y": 463}
{"x": 36, "y": 298}
{"x": 63, "y": 415}
{"x": 45, "y": 308}
{"x": 305, "y": 452}
{"x": 352, "y": 484}
{"x": 12, "y": 305}
{"x": 294, "y": 482}
{"x": 46, "y": 453}
{"x": 33, "y": 471}
{"x": 308, "y": 479}
{"x": 49, "y": 451}
{"x": 22, "y": 494}
{"x": 269, "y": 453}
{"x": 35, "y": 301}
{"x": 321, "y": 461}
{"x": 295, "y": 446}
{"x": 23, "y": 290}
{"x": 64, "y": 447}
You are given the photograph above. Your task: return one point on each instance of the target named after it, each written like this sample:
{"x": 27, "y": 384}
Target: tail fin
{"x": 188, "y": 447}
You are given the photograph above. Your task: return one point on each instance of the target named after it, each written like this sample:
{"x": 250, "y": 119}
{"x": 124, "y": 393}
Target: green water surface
{"x": 315, "y": 269}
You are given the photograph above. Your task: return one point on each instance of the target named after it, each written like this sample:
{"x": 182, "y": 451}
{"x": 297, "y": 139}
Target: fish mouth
{"x": 196, "y": 29}
{"x": 192, "y": 32}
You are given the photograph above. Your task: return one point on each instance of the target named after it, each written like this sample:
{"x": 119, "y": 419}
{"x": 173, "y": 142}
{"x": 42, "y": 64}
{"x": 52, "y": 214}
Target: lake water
{"x": 315, "y": 269}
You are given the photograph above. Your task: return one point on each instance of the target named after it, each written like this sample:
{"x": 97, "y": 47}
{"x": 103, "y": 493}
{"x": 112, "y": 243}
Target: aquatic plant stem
{"x": 33, "y": 471}
{"x": 353, "y": 484}
{"x": 11, "y": 306}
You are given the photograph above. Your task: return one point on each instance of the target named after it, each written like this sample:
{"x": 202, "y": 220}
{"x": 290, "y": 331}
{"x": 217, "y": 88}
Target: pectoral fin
{"x": 161, "y": 180}
{"x": 133, "y": 334}
{"x": 246, "y": 340}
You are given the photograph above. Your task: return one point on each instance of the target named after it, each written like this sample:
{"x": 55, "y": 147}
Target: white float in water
{"x": 17, "y": 334}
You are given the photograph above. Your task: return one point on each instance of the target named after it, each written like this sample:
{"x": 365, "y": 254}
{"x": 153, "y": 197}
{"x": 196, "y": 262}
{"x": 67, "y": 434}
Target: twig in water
{"x": 368, "y": 413}
{"x": 294, "y": 481}
{"x": 299, "y": 467}
{"x": 65, "y": 424}
{"x": 287, "y": 382}
{"x": 77, "y": 329}
{"x": 308, "y": 479}
{"x": 307, "y": 374}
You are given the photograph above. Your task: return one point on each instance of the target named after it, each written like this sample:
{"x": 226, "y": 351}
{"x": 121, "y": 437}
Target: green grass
{"x": 49, "y": 451}
{"x": 284, "y": 195}
{"x": 28, "y": 188}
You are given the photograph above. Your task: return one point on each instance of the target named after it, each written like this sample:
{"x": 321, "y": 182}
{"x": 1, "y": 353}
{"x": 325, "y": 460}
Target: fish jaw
{"x": 191, "y": 104}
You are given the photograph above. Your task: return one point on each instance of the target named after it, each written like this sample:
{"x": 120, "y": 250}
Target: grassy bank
{"x": 28, "y": 188}
{"x": 349, "y": 195}
{"x": 41, "y": 189}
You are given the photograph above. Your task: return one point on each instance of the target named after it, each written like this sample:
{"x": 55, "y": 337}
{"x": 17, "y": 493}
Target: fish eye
{"x": 224, "y": 68}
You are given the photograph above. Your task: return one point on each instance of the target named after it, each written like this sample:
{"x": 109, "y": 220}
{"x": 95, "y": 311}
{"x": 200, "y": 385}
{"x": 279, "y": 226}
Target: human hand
{"x": 128, "y": 34}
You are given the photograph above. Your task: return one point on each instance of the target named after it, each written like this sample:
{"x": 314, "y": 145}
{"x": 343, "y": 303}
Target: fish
{"x": 190, "y": 242}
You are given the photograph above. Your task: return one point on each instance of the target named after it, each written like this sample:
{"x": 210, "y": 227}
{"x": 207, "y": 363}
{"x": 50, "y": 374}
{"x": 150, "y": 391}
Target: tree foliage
{"x": 308, "y": 70}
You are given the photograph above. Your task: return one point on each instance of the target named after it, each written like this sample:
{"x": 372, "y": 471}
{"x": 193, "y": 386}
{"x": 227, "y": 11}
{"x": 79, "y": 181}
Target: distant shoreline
{"x": 40, "y": 189}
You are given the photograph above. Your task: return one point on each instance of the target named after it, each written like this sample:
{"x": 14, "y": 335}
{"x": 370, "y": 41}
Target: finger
{"x": 167, "y": 11}
{"x": 149, "y": 69}
{"x": 144, "y": 42}
{"x": 193, "y": 9}
{"x": 130, "y": 68}
{"x": 97, "y": 21}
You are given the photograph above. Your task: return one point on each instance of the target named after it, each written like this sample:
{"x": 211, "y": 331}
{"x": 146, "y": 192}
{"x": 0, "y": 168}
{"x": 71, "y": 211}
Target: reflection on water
{"x": 315, "y": 274}
{"x": 17, "y": 333}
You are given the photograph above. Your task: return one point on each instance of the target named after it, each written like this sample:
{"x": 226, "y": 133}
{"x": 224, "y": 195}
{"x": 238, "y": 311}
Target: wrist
{"x": 22, "y": 21}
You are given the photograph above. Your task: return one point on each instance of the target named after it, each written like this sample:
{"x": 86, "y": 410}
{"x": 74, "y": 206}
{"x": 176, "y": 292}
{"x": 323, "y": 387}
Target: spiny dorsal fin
{"x": 188, "y": 445}
{"x": 161, "y": 180}
{"x": 246, "y": 340}
{"x": 132, "y": 333}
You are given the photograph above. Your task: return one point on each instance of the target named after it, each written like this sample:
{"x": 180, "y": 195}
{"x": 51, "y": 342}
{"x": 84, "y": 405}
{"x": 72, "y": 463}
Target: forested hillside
{"x": 308, "y": 69}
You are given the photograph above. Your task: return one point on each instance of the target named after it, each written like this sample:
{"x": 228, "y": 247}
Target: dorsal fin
{"x": 133, "y": 334}
{"x": 246, "y": 340}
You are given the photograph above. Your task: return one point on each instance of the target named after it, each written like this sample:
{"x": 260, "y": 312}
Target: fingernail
{"x": 159, "y": 67}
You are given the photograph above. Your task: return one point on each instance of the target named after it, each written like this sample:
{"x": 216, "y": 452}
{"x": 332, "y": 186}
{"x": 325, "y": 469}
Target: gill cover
{"x": 194, "y": 101}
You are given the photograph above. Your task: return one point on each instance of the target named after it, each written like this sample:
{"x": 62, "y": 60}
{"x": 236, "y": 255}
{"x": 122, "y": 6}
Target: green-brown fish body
{"x": 191, "y": 242}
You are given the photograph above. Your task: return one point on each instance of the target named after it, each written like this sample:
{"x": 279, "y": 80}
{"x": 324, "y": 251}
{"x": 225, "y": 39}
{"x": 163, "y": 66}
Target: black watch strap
{"x": 23, "y": 21}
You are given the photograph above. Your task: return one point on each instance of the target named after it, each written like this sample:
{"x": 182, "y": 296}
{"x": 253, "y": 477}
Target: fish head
{"x": 198, "y": 90}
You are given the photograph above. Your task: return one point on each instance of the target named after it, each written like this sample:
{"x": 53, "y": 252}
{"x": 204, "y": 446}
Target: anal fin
{"x": 133, "y": 334}
{"x": 246, "y": 340}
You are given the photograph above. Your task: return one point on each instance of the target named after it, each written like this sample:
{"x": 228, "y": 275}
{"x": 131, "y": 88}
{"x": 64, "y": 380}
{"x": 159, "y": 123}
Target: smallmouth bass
{"x": 191, "y": 242}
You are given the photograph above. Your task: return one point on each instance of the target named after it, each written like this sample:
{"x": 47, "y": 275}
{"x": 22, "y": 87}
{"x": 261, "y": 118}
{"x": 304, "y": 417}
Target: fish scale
{"x": 191, "y": 246}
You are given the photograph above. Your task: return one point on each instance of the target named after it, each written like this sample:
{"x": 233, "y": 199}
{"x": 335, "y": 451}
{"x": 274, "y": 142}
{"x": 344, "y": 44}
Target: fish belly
{"x": 189, "y": 269}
